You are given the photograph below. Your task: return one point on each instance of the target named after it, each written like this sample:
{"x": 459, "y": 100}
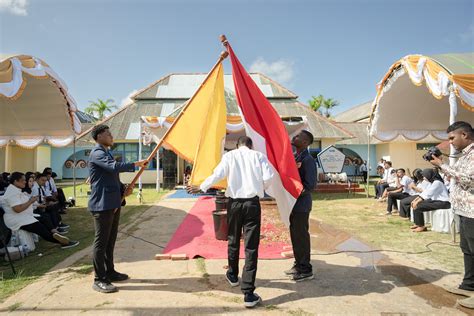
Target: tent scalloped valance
{"x": 437, "y": 79}
{"x": 19, "y": 72}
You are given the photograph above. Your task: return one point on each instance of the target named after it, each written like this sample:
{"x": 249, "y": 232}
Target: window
{"x": 425, "y": 146}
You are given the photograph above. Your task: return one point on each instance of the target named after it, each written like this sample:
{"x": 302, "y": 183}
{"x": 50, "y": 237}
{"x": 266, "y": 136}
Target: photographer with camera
{"x": 461, "y": 137}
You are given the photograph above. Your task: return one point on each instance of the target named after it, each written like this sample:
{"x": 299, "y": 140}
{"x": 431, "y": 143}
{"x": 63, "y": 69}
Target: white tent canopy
{"x": 407, "y": 109}
{"x": 35, "y": 105}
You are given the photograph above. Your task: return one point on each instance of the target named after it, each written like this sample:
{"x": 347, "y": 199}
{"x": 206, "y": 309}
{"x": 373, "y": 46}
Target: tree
{"x": 319, "y": 102}
{"x": 316, "y": 102}
{"x": 100, "y": 107}
{"x": 328, "y": 104}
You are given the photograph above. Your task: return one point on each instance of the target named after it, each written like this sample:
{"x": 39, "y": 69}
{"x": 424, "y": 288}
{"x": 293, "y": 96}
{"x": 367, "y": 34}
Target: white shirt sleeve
{"x": 220, "y": 172}
{"x": 267, "y": 172}
{"x": 433, "y": 190}
{"x": 35, "y": 190}
{"x": 13, "y": 199}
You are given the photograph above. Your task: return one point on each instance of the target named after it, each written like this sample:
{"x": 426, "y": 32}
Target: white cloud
{"x": 127, "y": 99}
{"x": 16, "y": 7}
{"x": 280, "y": 70}
{"x": 468, "y": 35}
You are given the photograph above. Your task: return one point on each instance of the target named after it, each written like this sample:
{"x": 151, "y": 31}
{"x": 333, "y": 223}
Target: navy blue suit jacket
{"x": 307, "y": 172}
{"x": 105, "y": 181}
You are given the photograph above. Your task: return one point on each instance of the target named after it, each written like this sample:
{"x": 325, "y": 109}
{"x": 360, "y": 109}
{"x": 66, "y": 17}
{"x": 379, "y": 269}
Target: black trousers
{"x": 106, "y": 228}
{"x": 405, "y": 205}
{"x": 379, "y": 188}
{"x": 392, "y": 200}
{"x": 300, "y": 240}
{"x": 53, "y": 211}
{"x": 467, "y": 247}
{"x": 41, "y": 230}
{"x": 364, "y": 175}
{"x": 426, "y": 206}
{"x": 61, "y": 198}
{"x": 246, "y": 214}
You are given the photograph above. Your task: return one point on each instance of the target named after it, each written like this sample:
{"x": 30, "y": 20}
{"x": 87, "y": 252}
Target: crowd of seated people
{"x": 425, "y": 191}
{"x": 29, "y": 204}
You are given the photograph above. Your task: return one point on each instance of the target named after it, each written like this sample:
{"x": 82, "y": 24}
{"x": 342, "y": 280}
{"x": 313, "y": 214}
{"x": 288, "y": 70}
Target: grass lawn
{"x": 363, "y": 217}
{"x": 82, "y": 229}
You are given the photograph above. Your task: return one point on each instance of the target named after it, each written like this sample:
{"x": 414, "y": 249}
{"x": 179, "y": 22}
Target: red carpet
{"x": 195, "y": 236}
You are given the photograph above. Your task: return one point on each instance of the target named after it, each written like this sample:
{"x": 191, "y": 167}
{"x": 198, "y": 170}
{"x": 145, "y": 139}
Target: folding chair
{"x": 5, "y": 235}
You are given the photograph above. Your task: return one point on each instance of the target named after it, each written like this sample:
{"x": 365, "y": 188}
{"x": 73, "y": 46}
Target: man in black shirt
{"x": 299, "y": 218}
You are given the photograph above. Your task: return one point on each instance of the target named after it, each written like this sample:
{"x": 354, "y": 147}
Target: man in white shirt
{"x": 248, "y": 174}
{"x": 402, "y": 190}
{"x": 382, "y": 184}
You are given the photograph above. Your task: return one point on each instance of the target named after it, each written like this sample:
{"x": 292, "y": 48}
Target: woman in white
{"x": 435, "y": 197}
{"x": 18, "y": 207}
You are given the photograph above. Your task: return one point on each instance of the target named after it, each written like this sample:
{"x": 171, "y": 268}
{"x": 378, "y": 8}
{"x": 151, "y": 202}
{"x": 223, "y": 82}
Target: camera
{"x": 432, "y": 151}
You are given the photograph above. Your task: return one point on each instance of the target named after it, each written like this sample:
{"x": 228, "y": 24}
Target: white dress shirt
{"x": 50, "y": 185}
{"x": 13, "y": 197}
{"x": 405, "y": 181}
{"x": 387, "y": 173}
{"x": 248, "y": 173}
{"x": 436, "y": 191}
{"x": 41, "y": 194}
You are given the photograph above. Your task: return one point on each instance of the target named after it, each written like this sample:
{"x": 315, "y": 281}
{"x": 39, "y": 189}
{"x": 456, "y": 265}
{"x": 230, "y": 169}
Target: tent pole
{"x": 74, "y": 170}
{"x": 368, "y": 160}
{"x": 140, "y": 158}
{"x": 158, "y": 171}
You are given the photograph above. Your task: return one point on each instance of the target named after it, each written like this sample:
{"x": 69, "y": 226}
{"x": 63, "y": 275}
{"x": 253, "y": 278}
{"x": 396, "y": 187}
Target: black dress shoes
{"x": 117, "y": 276}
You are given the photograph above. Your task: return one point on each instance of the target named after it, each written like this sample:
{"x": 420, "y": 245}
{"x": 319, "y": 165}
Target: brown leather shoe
{"x": 414, "y": 226}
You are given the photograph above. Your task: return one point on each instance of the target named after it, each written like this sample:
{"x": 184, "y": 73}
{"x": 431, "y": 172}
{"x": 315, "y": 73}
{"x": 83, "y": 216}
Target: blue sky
{"x": 341, "y": 49}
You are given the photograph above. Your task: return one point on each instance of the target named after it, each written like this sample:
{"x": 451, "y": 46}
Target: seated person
{"x": 392, "y": 185}
{"x": 402, "y": 190}
{"x": 382, "y": 184}
{"x": 46, "y": 204}
{"x": 433, "y": 198}
{"x": 56, "y": 193}
{"x": 38, "y": 210}
{"x": 18, "y": 209}
{"x": 418, "y": 185}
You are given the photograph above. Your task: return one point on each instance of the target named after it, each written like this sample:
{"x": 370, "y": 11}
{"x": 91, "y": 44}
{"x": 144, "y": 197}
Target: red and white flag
{"x": 265, "y": 127}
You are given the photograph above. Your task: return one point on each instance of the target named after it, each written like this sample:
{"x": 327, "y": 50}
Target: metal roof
{"x": 357, "y": 113}
{"x": 183, "y": 86}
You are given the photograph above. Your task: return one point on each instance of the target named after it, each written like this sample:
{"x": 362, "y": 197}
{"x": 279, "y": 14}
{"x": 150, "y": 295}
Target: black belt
{"x": 245, "y": 199}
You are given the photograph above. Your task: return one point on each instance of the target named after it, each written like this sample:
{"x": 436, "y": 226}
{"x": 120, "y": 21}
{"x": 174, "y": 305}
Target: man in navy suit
{"x": 104, "y": 204}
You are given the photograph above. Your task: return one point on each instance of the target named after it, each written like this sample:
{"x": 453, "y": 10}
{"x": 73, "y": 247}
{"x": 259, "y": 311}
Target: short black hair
{"x": 47, "y": 170}
{"x": 98, "y": 129}
{"x": 401, "y": 169}
{"x": 464, "y": 126}
{"x": 388, "y": 162}
{"x": 15, "y": 176}
{"x": 244, "y": 141}
{"x": 308, "y": 135}
{"x": 40, "y": 175}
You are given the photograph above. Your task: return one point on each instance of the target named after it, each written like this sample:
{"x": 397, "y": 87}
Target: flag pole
{"x": 223, "y": 56}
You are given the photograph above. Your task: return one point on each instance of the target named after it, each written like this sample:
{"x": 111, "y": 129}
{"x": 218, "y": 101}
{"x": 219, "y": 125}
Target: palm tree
{"x": 100, "y": 107}
{"x": 316, "y": 102}
{"x": 328, "y": 104}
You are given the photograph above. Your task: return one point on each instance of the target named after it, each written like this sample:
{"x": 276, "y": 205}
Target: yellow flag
{"x": 198, "y": 134}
